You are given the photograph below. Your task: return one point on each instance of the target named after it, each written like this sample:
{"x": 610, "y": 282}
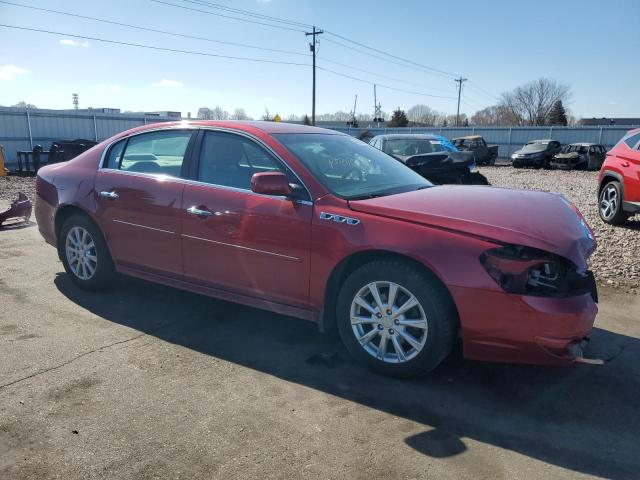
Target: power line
{"x": 207, "y": 39}
{"x": 426, "y": 67}
{"x": 208, "y": 54}
{"x": 378, "y": 57}
{"x": 282, "y": 27}
{"x": 153, "y": 47}
{"x": 148, "y": 29}
{"x": 381, "y": 75}
{"x": 475, "y": 87}
{"x": 381, "y": 85}
{"x": 291, "y": 22}
{"x": 248, "y": 13}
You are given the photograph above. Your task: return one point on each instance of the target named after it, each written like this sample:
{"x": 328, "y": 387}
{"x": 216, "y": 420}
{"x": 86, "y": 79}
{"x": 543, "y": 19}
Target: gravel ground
{"x": 616, "y": 261}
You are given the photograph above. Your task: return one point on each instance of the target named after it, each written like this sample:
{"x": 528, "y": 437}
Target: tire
{"x": 435, "y": 307}
{"x": 97, "y": 271}
{"x": 610, "y": 204}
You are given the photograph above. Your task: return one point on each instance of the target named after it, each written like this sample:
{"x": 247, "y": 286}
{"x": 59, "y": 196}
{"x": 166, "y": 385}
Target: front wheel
{"x": 395, "y": 318}
{"x": 610, "y": 204}
{"x": 84, "y": 254}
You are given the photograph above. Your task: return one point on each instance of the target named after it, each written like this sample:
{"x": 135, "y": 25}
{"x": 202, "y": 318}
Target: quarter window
{"x": 633, "y": 140}
{"x": 231, "y": 160}
{"x": 160, "y": 153}
{"x": 115, "y": 154}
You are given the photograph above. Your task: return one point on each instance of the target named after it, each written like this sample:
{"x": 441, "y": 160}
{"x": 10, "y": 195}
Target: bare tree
{"x": 494, "y": 115}
{"x": 423, "y": 115}
{"x": 204, "y": 113}
{"x": 239, "y": 114}
{"x": 531, "y": 104}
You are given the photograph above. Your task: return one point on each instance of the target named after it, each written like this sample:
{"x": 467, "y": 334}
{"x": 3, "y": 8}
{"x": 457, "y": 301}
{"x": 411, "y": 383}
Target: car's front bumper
{"x": 527, "y": 161}
{"x": 564, "y": 164}
{"x": 503, "y": 327}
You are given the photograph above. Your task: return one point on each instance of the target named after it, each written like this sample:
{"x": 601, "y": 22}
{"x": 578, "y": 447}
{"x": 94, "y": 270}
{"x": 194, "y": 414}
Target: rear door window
{"x": 158, "y": 153}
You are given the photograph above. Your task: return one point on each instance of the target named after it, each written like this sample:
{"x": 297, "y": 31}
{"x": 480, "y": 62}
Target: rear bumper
{"x": 521, "y": 329}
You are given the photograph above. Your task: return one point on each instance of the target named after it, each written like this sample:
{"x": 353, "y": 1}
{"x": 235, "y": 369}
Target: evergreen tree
{"x": 306, "y": 120}
{"x": 399, "y": 119}
{"x": 466, "y": 122}
{"x": 558, "y": 115}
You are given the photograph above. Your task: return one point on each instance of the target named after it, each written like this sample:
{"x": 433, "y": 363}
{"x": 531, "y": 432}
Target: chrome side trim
{"x": 242, "y": 247}
{"x": 339, "y": 218}
{"x": 143, "y": 226}
{"x": 215, "y": 129}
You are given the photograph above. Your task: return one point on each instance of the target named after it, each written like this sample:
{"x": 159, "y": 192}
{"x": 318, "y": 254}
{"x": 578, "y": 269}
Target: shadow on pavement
{"x": 586, "y": 419}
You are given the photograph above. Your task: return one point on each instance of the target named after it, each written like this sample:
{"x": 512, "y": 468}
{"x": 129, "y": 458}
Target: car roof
{"x": 469, "y": 137}
{"x": 544, "y": 140}
{"x": 584, "y": 144}
{"x": 245, "y": 126}
{"x": 409, "y": 136}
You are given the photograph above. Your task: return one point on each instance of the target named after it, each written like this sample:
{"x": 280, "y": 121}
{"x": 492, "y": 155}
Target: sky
{"x": 593, "y": 46}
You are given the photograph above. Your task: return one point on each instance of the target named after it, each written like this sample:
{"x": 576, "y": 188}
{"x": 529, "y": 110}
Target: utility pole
{"x": 312, "y": 47}
{"x": 459, "y": 81}
{"x": 75, "y": 101}
{"x": 377, "y": 109}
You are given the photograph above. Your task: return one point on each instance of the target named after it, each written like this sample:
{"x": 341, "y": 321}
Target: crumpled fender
{"x": 18, "y": 212}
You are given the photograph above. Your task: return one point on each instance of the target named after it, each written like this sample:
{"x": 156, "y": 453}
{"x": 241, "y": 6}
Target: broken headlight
{"x": 530, "y": 271}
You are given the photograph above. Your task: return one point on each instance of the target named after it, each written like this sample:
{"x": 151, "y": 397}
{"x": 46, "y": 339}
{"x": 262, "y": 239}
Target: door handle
{"x": 112, "y": 195}
{"x": 200, "y": 213}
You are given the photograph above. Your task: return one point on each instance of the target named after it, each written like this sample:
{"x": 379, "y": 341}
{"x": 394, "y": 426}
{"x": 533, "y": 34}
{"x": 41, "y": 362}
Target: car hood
{"x": 547, "y": 221}
{"x": 527, "y": 153}
{"x": 568, "y": 155}
{"x": 438, "y": 159}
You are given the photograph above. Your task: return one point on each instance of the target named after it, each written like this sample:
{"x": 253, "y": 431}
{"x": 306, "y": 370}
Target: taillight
{"x": 530, "y": 271}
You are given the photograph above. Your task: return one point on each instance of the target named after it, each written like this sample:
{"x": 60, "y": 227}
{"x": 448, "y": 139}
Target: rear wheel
{"x": 395, "y": 318}
{"x": 610, "y": 204}
{"x": 84, "y": 254}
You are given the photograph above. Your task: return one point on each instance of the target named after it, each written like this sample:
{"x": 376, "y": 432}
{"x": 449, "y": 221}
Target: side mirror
{"x": 271, "y": 183}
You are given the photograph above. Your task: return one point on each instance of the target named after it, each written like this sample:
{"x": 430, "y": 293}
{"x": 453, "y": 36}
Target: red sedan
{"x": 318, "y": 225}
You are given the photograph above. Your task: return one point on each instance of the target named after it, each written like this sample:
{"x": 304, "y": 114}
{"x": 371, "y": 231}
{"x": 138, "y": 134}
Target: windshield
{"x": 407, "y": 147}
{"x": 350, "y": 168}
{"x": 534, "y": 147}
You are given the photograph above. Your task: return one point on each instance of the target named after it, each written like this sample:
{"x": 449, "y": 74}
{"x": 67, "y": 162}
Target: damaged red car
{"x": 318, "y": 225}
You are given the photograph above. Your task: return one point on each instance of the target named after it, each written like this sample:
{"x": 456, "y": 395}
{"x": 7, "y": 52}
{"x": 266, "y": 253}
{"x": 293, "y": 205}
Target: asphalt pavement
{"x": 145, "y": 381}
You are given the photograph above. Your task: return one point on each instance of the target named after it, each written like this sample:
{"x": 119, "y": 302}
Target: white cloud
{"x": 9, "y": 72}
{"x": 168, "y": 83}
{"x": 73, "y": 43}
{"x": 110, "y": 88}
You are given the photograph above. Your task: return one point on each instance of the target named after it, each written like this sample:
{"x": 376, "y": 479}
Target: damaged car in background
{"x": 433, "y": 157}
{"x": 536, "y": 153}
{"x": 579, "y": 156}
{"x": 19, "y": 212}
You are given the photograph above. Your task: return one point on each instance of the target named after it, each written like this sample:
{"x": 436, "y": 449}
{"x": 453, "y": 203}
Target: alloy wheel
{"x": 389, "y": 322}
{"x": 609, "y": 202}
{"x": 81, "y": 253}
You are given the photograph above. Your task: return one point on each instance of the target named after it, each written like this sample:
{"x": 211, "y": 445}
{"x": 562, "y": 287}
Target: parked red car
{"x": 619, "y": 180}
{"x": 319, "y": 225}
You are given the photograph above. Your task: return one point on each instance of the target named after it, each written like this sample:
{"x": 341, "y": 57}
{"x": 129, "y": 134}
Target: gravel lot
{"x": 616, "y": 262}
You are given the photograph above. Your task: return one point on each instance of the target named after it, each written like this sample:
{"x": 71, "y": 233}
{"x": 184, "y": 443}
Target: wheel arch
{"x": 327, "y": 318}
{"x": 610, "y": 176}
{"x": 64, "y": 212}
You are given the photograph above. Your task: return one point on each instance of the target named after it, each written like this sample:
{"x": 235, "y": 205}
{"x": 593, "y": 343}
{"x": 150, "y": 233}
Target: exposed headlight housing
{"x": 530, "y": 271}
